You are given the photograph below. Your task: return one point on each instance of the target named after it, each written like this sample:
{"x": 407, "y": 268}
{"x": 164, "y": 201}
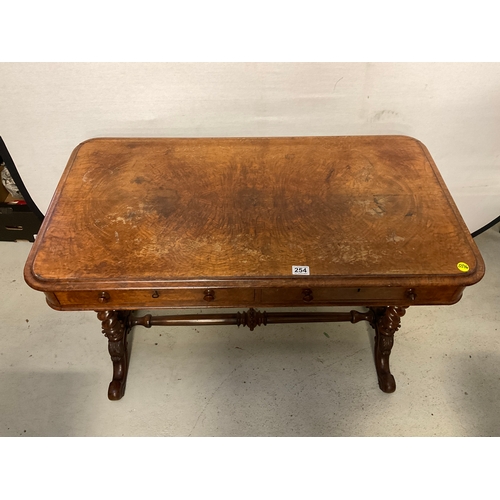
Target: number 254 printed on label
{"x": 303, "y": 270}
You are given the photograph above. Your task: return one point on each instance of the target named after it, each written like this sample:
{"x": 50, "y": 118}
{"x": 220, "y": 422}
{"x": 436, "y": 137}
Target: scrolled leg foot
{"x": 386, "y": 322}
{"x": 115, "y": 327}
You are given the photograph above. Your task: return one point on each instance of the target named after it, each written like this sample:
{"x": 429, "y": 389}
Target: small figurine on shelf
{"x": 20, "y": 218}
{"x": 12, "y": 195}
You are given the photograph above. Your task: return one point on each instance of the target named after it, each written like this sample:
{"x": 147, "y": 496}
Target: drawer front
{"x": 144, "y": 299}
{"x": 365, "y": 296}
{"x": 327, "y": 296}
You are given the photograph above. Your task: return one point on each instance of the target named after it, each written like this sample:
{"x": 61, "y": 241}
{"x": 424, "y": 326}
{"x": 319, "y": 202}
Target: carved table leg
{"x": 115, "y": 327}
{"x": 386, "y": 322}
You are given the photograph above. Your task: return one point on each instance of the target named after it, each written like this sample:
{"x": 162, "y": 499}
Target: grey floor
{"x": 283, "y": 380}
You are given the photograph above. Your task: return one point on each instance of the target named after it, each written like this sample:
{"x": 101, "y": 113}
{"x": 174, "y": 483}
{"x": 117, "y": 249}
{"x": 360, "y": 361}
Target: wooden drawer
{"x": 365, "y": 296}
{"x": 173, "y": 297}
{"x": 326, "y": 296}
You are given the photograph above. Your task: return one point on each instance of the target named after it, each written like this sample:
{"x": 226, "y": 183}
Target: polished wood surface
{"x": 204, "y": 223}
{"x": 166, "y": 213}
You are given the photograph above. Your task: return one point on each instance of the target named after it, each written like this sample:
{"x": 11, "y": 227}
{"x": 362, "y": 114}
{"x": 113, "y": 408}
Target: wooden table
{"x": 252, "y": 222}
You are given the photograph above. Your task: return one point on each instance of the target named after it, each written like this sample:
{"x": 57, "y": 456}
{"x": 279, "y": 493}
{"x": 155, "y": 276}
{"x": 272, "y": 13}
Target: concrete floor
{"x": 282, "y": 380}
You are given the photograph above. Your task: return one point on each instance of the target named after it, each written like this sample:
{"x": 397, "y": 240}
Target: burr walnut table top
{"x": 167, "y": 216}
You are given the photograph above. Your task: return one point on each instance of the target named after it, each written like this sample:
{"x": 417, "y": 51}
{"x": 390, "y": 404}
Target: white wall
{"x": 46, "y": 109}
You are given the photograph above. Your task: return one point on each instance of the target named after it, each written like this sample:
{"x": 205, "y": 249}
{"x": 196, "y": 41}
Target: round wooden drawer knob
{"x": 307, "y": 295}
{"x": 209, "y": 295}
{"x": 104, "y": 297}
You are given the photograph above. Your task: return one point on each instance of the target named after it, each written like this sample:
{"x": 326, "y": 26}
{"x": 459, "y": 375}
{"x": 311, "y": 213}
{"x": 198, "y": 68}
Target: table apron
{"x": 251, "y": 297}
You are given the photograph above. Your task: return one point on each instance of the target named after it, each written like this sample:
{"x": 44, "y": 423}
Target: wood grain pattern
{"x": 152, "y": 213}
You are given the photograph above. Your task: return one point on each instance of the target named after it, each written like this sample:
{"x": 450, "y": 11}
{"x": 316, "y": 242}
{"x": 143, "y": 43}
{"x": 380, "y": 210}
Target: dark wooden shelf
{"x": 17, "y": 221}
